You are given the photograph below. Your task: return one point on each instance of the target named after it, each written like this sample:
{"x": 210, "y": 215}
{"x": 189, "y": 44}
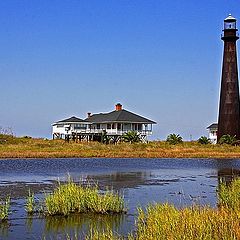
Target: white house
{"x": 66, "y": 127}
{"x": 212, "y": 134}
{"x": 113, "y": 124}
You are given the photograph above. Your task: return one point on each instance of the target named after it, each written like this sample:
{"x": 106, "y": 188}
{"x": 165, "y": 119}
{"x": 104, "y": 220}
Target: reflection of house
{"x": 212, "y": 134}
{"x": 113, "y": 124}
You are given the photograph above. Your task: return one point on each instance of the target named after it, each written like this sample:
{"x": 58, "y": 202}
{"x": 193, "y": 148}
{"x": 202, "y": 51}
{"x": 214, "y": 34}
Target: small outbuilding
{"x": 212, "y": 134}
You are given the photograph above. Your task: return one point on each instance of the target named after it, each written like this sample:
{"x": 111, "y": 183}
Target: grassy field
{"x": 12, "y": 147}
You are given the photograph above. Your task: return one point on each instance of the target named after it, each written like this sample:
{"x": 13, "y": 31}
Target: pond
{"x": 182, "y": 182}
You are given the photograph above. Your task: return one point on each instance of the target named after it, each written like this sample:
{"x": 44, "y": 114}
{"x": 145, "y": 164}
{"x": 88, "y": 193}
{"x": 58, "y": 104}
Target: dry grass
{"x": 11, "y": 147}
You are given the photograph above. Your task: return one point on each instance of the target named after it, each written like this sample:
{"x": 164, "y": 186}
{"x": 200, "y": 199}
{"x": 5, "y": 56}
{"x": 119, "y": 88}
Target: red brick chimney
{"x": 118, "y": 107}
{"x": 89, "y": 114}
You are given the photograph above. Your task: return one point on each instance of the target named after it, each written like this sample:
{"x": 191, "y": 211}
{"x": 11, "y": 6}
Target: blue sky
{"x": 160, "y": 59}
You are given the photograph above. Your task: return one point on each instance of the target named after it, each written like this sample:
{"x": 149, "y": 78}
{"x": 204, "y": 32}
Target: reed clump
{"x": 76, "y": 198}
{"x": 4, "y": 209}
{"x": 30, "y": 203}
{"x": 229, "y": 195}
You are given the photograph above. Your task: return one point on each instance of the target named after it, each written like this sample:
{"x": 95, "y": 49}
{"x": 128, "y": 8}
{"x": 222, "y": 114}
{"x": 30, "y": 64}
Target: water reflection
{"x": 227, "y": 175}
{"x": 4, "y": 229}
{"x": 81, "y": 224}
{"x": 121, "y": 180}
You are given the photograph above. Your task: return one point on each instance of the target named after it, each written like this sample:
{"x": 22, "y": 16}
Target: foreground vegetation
{"x": 4, "y": 209}
{"x": 164, "y": 221}
{"x": 71, "y": 198}
{"x": 75, "y": 198}
{"x": 12, "y": 147}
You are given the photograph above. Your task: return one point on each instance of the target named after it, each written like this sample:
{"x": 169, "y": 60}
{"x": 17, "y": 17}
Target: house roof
{"x": 214, "y": 125}
{"x": 118, "y": 116}
{"x": 72, "y": 119}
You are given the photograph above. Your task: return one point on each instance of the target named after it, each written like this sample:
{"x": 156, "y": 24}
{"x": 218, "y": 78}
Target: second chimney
{"x": 89, "y": 114}
{"x": 118, "y": 107}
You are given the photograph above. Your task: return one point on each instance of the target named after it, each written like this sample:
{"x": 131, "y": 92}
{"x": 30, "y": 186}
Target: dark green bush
{"x": 204, "y": 140}
{"x": 174, "y": 139}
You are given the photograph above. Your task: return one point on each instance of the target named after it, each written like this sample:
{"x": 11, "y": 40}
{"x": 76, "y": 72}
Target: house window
{"x": 119, "y": 126}
{"x": 80, "y": 126}
{"x": 109, "y": 126}
{"x": 98, "y": 126}
{"x": 134, "y": 126}
{"x": 60, "y": 125}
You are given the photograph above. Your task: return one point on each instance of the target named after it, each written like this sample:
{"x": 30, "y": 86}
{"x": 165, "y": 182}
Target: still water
{"x": 182, "y": 182}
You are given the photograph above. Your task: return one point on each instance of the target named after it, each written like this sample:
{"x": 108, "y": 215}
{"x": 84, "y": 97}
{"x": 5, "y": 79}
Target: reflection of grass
{"x": 71, "y": 197}
{"x": 78, "y": 224}
{"x": 31, "y": 148}
{"x": 107, "y": 234}
{"x": 4, "y": 209}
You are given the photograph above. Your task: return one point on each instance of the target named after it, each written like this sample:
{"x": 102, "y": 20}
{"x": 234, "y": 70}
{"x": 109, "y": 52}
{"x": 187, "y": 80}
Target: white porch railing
{"x": 110, "y": 131}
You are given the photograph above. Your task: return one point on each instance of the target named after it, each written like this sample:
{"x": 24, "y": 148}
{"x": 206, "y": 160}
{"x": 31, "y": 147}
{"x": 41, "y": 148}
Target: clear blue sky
{"x": 160, "y": 59}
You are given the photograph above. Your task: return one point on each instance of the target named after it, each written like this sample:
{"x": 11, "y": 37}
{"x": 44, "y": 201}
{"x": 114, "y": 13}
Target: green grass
{"x": 5, "y": 209}
{"x": 229, "y": 195}
{"x": 71, "y": 198}
{"x": 164, "y": 221}
{"x": 30, "y": 203}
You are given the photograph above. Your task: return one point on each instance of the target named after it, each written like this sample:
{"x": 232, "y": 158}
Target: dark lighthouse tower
{"x": 229, "y": 108}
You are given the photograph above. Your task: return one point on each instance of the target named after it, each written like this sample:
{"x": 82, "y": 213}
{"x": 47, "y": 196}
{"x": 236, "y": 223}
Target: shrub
{"x": 131, "y": 137}
{"x": 174, "y": 139}
{"x": 204, "y": 140}
{"x": 227, "y": 139}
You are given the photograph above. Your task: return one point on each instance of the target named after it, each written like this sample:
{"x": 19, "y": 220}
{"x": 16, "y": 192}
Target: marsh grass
{"x": 5, "y": 209}
{"x": 229, "y": 195}
{"x": 12, "y": 147}
{"x": 30, "y": 203}
{"x": 71, "y": 198}
{"x": 164, "y": 221}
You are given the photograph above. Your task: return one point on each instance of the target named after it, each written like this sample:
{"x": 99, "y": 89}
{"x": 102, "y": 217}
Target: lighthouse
{"x": 229, "y": 107}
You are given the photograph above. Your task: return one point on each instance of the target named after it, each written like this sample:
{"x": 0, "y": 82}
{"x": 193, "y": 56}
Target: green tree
{"x": 227, "y": 139}
{"x": 174, "y": 139}
{"x": 204, "y": 140}
{"x": 131, "y": 137}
